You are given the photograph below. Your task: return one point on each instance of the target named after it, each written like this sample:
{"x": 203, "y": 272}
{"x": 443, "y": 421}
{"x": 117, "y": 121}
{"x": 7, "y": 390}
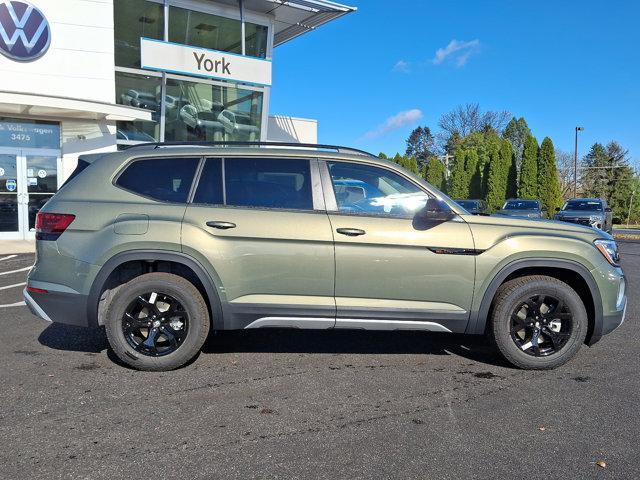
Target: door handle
{"x": 350, "y": 232}
{"x": 221, "y": 225}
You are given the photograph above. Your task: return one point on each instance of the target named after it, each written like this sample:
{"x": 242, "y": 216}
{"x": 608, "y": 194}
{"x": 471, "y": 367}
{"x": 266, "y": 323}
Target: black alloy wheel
{"x": 541, "y": 325}
{"x": 155, "y": 324}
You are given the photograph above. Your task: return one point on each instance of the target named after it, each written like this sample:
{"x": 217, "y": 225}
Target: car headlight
{"x": 609, "y": 249}
{"x": 595, "y": 218}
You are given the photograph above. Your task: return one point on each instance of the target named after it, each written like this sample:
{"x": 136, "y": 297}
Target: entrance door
{"x": 9, "y": 197}
{"x": 29, "y": 178}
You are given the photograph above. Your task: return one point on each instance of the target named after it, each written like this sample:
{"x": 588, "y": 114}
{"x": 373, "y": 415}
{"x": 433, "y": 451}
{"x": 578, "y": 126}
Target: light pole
{"x": 575, "y": 164}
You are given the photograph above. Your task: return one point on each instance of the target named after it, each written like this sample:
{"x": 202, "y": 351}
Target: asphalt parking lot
{"x": 296, "y": 404}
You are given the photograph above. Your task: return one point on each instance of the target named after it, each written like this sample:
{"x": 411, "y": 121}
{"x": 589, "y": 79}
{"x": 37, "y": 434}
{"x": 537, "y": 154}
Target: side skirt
{"x": 345, "y": 323}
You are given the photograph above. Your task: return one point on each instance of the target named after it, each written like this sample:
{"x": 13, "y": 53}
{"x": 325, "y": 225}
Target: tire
{"x": 517, "y": 347}
{"x": 188, "y": 307}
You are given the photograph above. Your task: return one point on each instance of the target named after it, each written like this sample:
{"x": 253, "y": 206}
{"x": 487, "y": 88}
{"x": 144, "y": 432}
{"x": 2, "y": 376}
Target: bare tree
{"x": 466, "y": 119}
{"x": 564, "y": 160}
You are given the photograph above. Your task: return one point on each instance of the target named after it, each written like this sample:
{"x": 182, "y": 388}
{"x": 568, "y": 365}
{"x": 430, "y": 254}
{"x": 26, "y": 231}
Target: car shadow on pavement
{"x": 473, "y": 348}
{"x": 76, "y": 339}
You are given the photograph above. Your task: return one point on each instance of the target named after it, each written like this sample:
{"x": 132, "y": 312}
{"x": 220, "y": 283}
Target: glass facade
{"x": 195, "y": 109}
{"x": 199, "y": 29}
{"x": 141, "y": 91}
{"x": 134, "y": 19}
{"x": 202, "y": 111}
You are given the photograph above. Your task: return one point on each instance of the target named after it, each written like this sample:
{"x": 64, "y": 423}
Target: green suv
{"x": 163, "y": 243}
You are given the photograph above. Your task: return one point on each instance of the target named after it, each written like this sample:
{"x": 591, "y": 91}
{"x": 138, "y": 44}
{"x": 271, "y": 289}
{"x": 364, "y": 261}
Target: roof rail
{"x": 251, "y": 144}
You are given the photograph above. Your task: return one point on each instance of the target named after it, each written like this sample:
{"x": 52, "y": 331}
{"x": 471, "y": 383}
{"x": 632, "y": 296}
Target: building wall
{"x": 289, "y": 129}
{"x": 79, "y": 62}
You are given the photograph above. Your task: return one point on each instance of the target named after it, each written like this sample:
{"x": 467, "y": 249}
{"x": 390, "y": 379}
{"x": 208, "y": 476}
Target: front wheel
{"x": 538, "y": 322}
{"x": 157, "y": 321}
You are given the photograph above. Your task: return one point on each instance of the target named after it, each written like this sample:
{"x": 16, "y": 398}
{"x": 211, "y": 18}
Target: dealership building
{"x": 87, "y": 76}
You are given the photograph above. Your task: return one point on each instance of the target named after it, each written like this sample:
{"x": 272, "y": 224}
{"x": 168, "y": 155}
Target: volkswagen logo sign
{"x": 24, "y": 31}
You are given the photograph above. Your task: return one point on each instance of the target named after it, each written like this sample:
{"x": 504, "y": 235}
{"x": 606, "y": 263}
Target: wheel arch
{"x": 572, "y": 273}
{"x": 99, "y": 284}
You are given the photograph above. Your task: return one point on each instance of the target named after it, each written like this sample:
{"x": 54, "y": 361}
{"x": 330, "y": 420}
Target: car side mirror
{"x": 608, "y": 209}
{"x": 432, "y": 214}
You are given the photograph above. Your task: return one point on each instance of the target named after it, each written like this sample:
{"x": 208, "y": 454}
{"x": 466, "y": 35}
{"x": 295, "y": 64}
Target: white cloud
{"x": 458, "y": 50}
{"x": 399, "y": 120}
{"x": 402, "y": 67}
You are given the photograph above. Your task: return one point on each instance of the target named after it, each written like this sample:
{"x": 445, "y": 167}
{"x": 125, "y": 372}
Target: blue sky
{"x": 371, "y": 76}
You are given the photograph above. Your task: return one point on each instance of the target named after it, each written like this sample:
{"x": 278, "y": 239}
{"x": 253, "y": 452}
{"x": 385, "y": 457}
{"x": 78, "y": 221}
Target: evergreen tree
{"x": 594, "y": 174}
{"x": 474, "y": 174}
{"x": 528, "y": 187}
{"x": 434, "y": 173}
{"x": 459, "y": 180}
{"x": 382, "y": 156}
{"x": 453, "y": 142}
{"x": 497, "y": 175}
{"x": 621, "y": 180}
{"x": 507, "y": 158}
{"x": 411, "y": 164}
{"x": 606, "y": 174}
{"x": 420, "y": 144}
{"x": 517, "y": 132}
{"x": 549, "y": 191}
{"x": 477, "y": 142}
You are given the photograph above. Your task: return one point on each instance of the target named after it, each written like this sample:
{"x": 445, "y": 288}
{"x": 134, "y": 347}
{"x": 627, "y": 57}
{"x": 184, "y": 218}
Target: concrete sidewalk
{"x": 17, "y": 246}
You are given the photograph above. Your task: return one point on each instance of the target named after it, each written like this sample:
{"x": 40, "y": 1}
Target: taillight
{"x": 36, "y": 290}
{"x": 49, "y": 226}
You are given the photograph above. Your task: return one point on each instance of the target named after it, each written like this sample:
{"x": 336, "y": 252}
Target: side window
{"x": 268, "y": 183}
{"x": 164, "y": 179}
{"x": 374, "y": 191}
{"x": 209, "y": 189}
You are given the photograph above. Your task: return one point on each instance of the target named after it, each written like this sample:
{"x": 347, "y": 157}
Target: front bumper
{"x": 611, "y": 322}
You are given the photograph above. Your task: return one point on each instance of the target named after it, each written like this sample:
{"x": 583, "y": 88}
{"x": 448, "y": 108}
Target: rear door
{"x": 393, "y": 272}
{"x": 261, "y": 225}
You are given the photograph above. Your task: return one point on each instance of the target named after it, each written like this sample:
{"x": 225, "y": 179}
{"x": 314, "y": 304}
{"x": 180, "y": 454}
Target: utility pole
{"x": 575, "y": 164}
{"x": 630, "y": 205}
{"x": 446, "y": 159}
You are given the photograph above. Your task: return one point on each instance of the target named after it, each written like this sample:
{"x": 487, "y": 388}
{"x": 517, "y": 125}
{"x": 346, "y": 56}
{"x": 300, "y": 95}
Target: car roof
{"x": 522, "y": 200}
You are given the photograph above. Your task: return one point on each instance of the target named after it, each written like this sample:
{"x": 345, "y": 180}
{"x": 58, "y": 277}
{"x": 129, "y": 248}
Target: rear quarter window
{"x": 163, "y": 179}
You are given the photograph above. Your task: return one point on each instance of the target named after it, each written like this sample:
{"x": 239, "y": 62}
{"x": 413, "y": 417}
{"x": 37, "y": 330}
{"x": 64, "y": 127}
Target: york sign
{"x": 202, "y": 62}
{"x": 24, "y": 31}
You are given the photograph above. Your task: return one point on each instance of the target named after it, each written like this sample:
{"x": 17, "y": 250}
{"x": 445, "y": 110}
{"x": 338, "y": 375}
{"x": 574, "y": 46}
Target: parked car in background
{"x": 593, "y": 212}
{"x": 522, "y": 208}
{"x": 239, "y": 126}
{"x": 139, "y": 99}
{"x": 474, "y": 207}
{"x": 203, "y": 123}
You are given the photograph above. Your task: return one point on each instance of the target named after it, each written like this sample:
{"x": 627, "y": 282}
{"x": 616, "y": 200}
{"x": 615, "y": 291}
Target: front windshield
{"x": 521, "y": 205}
{"x": 583, "y": 205}
{"x": 467, "y": 204}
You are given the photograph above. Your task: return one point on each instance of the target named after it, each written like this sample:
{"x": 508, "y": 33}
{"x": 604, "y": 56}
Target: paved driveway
{"x": 300, "y": 404}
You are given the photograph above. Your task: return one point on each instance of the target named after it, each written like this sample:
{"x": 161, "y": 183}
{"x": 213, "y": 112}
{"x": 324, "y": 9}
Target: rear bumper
{"x": 59, "y": 307}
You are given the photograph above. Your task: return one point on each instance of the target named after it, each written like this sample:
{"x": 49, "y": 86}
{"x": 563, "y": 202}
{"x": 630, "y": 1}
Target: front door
{"x": 391, "y": 271}
{"x": 28, "y": 178}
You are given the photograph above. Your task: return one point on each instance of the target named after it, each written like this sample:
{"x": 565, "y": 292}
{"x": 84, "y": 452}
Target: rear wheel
{"x": 157, "y": 321}
{"x": 538, "y": 322}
